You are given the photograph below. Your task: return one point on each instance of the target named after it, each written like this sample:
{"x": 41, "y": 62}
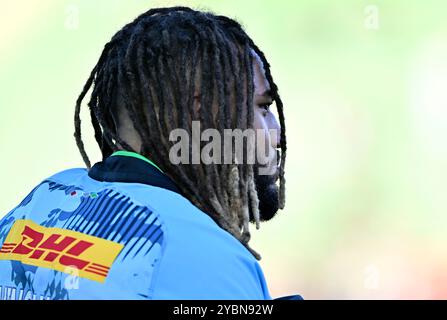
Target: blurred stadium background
{"x": 364, "y": 85}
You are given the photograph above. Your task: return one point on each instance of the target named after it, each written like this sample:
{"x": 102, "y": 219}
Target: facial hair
{"x": 268, "y": 195}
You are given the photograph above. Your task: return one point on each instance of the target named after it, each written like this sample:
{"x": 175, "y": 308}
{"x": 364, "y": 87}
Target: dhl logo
{"x": 60, "y": 249}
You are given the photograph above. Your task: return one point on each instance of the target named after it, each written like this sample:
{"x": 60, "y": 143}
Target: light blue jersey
{"x": 120, "y": 231}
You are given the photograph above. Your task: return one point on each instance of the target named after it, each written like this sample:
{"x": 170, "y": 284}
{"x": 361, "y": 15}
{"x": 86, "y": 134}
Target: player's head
{"x": 172, "y": 66}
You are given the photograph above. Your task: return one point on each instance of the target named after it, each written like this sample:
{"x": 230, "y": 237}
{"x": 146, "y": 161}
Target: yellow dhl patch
{"x": 63, "y": 250}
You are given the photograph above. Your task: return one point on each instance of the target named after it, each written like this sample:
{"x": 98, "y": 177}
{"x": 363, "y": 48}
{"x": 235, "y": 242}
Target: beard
{"x": 268, "y": 195}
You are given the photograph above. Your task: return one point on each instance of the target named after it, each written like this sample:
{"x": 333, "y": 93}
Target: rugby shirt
{"x": 120, "y": 230}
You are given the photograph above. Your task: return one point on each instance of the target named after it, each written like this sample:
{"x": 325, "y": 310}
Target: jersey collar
{"x": 127, "y": 166}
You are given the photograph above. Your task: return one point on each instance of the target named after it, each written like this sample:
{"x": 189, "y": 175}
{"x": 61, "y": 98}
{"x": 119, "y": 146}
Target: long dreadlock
{"x": 150, "y": 69}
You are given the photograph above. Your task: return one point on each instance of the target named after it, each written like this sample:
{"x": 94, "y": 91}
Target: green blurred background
{"x": 364, "y": 85}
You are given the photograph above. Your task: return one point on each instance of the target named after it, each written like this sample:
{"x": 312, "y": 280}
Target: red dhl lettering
{"x": 60, "y": 249}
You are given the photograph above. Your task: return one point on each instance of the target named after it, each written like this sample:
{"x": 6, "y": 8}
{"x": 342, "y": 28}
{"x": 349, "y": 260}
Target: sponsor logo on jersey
{"x": 60, "y": 249}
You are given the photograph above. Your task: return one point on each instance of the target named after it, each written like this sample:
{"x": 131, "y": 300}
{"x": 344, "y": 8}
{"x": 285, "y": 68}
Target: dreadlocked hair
{"x": 150, "y": 69}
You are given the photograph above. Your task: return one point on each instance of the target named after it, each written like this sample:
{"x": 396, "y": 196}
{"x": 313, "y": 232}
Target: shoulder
{"x": 199, "y": 259}
{"x": 68, "y": 174}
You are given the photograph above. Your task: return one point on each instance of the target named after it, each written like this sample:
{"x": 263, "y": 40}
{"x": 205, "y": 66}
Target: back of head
{"x": 166, "y": 69}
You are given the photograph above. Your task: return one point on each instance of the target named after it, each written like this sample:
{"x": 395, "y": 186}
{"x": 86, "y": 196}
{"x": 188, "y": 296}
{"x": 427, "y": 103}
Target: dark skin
{"x": 265, "y": 120}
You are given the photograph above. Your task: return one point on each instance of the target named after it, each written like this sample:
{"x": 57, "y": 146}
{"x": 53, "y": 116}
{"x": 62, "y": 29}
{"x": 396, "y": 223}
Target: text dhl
{"x": 59, "y": 249}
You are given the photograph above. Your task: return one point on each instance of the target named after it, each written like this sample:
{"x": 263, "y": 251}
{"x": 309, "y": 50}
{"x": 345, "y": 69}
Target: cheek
{"x": 259, "y": 120}
{"x": 261, "y": 128}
